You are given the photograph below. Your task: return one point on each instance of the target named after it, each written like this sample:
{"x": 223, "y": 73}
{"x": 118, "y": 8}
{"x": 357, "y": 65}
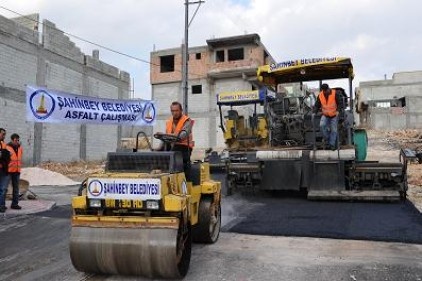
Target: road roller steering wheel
{"x": 167, "y": 138}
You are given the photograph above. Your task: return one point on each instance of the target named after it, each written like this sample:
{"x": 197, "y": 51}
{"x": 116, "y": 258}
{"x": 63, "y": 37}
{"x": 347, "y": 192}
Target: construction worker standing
{"x": 14, "y": 170}
{"x": 330, "y": 103}
{"x": 4, "y": 164}
{"x": 180, "y": 125}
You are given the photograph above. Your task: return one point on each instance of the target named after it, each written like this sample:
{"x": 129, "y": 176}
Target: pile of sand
{"x": 37, "y": 176}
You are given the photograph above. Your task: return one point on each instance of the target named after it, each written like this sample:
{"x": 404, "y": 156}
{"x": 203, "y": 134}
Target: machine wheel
{"x": 360, "y": 139}
{"x": 184, "y": 248}
{"x": 209, "y": 222}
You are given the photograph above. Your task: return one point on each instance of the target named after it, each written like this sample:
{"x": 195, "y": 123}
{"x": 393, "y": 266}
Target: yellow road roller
{"x": 140, "y": 216}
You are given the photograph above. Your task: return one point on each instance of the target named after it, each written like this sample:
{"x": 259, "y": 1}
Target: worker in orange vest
{"x": 180, "y": 125}
{"x": 14, "y": 170}
{"x": 330, "y": 104}
{"x": 4, "y": 164}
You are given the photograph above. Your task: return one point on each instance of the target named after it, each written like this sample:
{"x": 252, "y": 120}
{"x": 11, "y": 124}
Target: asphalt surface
{"x": 295, "y": 216}
{"x": 283, "y": 244}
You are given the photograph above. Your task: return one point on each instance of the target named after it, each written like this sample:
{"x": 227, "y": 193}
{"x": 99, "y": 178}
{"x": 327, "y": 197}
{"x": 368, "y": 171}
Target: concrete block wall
{"x": 13, "y": 119}
{"x": 56, "y": 41}
{"x": 57, "y": 64}
{"x": 12, "y": 29}
{"x": 407, "y": 77}
{"x": 383, "y": 119}
{"x": 404, "y": 84}
{"x": 101, "y": 139}
{"x": 102, "y": 67}
{"x": 414, "y": 112}
{"x": 17, "y": 68}
{"x": 31, "y": 22}
{"x": 60, "y": 143}
{"x": 63, "y": 78}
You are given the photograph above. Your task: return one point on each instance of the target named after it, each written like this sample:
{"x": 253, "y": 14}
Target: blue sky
{"x": 381, "y": 36}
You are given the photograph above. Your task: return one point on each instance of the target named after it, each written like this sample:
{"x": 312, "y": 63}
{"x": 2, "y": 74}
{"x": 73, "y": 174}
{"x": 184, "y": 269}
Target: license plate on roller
{"x": 123, "y": 203}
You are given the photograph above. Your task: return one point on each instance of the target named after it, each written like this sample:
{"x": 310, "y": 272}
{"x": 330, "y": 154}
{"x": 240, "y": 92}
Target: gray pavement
{"x": 29, "y": 207}
{"x": 47, "y": 197}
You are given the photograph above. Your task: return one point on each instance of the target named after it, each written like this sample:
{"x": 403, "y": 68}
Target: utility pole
{"x": 185, "y": 55}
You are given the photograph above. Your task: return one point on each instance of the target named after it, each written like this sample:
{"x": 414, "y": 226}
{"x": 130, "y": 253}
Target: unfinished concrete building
{"x": 392, "y": 103}
{"x": 224, "y": 64}
{"x": 50, "y": 59}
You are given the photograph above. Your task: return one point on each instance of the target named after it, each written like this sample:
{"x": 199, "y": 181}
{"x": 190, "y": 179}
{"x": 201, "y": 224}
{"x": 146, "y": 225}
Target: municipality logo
{"x": 95, "y": 188}
{"x": 148, "y": 115}
{"x": 42, "y": 104}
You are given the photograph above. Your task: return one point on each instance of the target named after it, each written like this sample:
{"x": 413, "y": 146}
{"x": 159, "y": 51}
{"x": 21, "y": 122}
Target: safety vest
{"x": 15, "y": 163}
{"x": 2, "y": 146}
{"x": 170, "y": 130}
{"x": 329, "y": 107}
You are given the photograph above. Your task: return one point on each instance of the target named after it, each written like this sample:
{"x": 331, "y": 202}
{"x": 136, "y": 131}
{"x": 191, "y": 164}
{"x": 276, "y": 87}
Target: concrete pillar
{"x": 38, "y": 127}
{"x": 82, "y": 136}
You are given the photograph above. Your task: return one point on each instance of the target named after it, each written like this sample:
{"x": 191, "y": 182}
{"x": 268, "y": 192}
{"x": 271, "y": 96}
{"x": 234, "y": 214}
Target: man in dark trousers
{"x": 330, "y": 103}
{"x": 14, "y": 170}
{"x": 180, "y": 125}
{"x": 4, "y": 165}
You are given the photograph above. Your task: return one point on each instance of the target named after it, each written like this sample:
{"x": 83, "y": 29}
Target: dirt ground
{"x": 76, "y": 171}
{"x": 384, "y": 146}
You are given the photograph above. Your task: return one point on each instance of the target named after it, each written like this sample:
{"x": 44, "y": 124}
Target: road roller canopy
{"x": 241, "y": 97}
{"x": 305, "y": 70}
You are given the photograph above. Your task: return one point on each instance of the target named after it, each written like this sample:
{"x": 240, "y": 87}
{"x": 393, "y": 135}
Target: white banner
{"x": 44, "y": 105}
{"x": 121, "y": 188}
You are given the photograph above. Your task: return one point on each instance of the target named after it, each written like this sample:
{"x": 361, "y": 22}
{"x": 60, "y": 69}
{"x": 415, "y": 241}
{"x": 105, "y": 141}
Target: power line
{"x": 91, "y": 42}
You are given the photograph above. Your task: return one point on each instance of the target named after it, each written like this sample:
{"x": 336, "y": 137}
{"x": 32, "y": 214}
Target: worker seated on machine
{"x": 179, "y": 125}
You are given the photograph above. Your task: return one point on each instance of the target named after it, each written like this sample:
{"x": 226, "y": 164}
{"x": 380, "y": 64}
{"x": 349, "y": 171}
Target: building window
{"x": 236, "y": 54}
{"x": 196, "y": 89}
{"x": 167, "y": 63}
{"x": 219, "y": 56}
{"x": 198, "y": 56}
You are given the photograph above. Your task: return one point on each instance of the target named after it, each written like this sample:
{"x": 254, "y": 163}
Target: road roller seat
{"x": 145, "y": 161}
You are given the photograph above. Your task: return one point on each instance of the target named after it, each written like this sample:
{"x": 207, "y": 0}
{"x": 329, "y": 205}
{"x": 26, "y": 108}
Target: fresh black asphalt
{"x": 283, "y": 215}
{"x": 296, "y": 216}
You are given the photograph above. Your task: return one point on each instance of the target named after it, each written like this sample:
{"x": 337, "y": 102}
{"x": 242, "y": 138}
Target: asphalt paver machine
{"x": 279, "y": 146}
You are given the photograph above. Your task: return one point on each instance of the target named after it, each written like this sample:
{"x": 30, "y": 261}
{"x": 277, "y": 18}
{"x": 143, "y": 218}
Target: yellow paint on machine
{"x": 125, "y": 221}
{"x": 79, "y": 202}
{"x": 174, "y": 203}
